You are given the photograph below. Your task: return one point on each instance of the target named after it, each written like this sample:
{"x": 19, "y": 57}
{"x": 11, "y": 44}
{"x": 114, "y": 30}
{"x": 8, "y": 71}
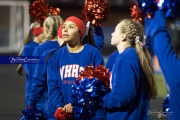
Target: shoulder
{"x": 48, "y": 52}
{"x": 31, "y": 45}
{"x": 114, "y": 54}
{"x": 58, "y": 52}
{"x": 129, "y": 55}
{"x": 112, "y": 57}
{"x": 41, "y": 47}
{"x": 29, "y": 48}
{"x": 43, "y": 44}
{"x": 90, "y": 48}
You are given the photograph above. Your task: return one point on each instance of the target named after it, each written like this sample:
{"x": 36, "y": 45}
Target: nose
{"x": 65, "y": 29}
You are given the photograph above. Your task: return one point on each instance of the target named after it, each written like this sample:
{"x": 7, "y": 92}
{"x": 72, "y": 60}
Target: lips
{"x": 65, "y": 35}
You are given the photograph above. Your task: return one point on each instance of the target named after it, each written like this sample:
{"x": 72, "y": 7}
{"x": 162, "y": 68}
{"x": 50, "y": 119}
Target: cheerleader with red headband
{"x": 66, "y": 63}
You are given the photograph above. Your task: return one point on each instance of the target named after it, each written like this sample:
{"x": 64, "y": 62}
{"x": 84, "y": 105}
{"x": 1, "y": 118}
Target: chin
{"x": 65, "y": 40}
{"x": 112, "y": 43}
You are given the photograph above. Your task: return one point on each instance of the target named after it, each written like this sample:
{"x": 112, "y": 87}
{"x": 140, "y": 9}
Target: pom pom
{"x": 137, "y": 14}
{"x": 165, "y": 105}
{"x": 88, "y": 91}
{"x": 30, "y": 114}
{"x": 170, "y": 7}
{"x": 61, "y": 115}
{"x": 39, "y": 10}
{"x": 95, "y": 11}
{"x": 147, "y": 6}
{"x": 142, "y": 9}
{"x": 54, "y": 11}
{"x": 100, "y": 72}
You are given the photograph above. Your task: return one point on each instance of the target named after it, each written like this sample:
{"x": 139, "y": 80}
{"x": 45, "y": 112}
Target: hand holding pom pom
{"x": 62, "y": 115}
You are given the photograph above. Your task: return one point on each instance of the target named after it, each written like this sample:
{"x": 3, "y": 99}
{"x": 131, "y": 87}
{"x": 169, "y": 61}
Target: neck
{"x": 60, "y": 41}
{"x": 54, "y": 39}
{"x": 75, "y": 48}
{"x": 37, "y": 40}
{"x": 122, "y": 47}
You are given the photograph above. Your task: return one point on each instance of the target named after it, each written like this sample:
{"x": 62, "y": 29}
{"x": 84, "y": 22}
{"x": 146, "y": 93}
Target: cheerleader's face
{"x": 116, "y": 36}
{"x": 70, "y": 32}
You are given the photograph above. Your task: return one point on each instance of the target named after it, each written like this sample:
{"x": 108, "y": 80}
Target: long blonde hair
{"x": 135, "y": 37}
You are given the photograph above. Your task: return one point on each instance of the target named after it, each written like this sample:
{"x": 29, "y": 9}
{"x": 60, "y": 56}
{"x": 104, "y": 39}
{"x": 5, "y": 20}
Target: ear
{"x": 123, "y": 37}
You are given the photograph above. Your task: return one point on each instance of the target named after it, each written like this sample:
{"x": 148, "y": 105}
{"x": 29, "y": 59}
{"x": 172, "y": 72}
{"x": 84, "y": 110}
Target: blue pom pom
{"x": 87, "y": 98}
{"x": 30, "y": 114}
{"x": 147, "y": 6}
{"x": 165, "y": 105}
{"x": 170, "y": 7}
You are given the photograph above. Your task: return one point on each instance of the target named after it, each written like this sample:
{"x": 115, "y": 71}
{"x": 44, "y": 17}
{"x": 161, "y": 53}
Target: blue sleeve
{"x": 39, "y": 82}
{"x": 168, "y": 60}
{"x": 28, "y": 51}
{"x": 123, "y": 86}
{"x": 54, "y": 86}
{"x": 35, "y": 55}
{"x": 98, "y": 37}
{"x": 111, "y": 60}
{"x": 149, "y": 45}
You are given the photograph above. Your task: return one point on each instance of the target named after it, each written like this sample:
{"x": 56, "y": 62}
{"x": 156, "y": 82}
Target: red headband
{"x": 37, "y": 30}
{"x": 60, "y": 31}
{"x": 80, "y": 24}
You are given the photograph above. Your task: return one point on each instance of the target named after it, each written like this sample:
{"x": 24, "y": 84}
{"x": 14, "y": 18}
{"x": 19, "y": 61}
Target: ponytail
{"x": 25, "y": 41}
{"x": 51, "y": 53}
{"x": 146, "y": 63}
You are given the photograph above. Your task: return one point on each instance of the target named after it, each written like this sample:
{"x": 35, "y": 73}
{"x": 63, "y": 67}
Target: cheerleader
{"x": 66, "y": 63}
{"x": 39, "y": 85}
{"x": 50, "y": 25}
{"x": 132, "y": 80}
{"x": 168, "y": 60}
{"x": 27, "y": 51}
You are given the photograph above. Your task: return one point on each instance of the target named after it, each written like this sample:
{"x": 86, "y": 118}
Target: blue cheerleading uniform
{"x": 128, "y": 98}
{"x": 63, "y": 70}
{"x": 28, "y": 51}
{"x": 40, "y": 105}
{"x": 170, "y": 66}
{"x": 168, "y": 60}
{"x": 98, "y": 37}
{"x": 111, "y": 60}
{"x": 39, "y": 85}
